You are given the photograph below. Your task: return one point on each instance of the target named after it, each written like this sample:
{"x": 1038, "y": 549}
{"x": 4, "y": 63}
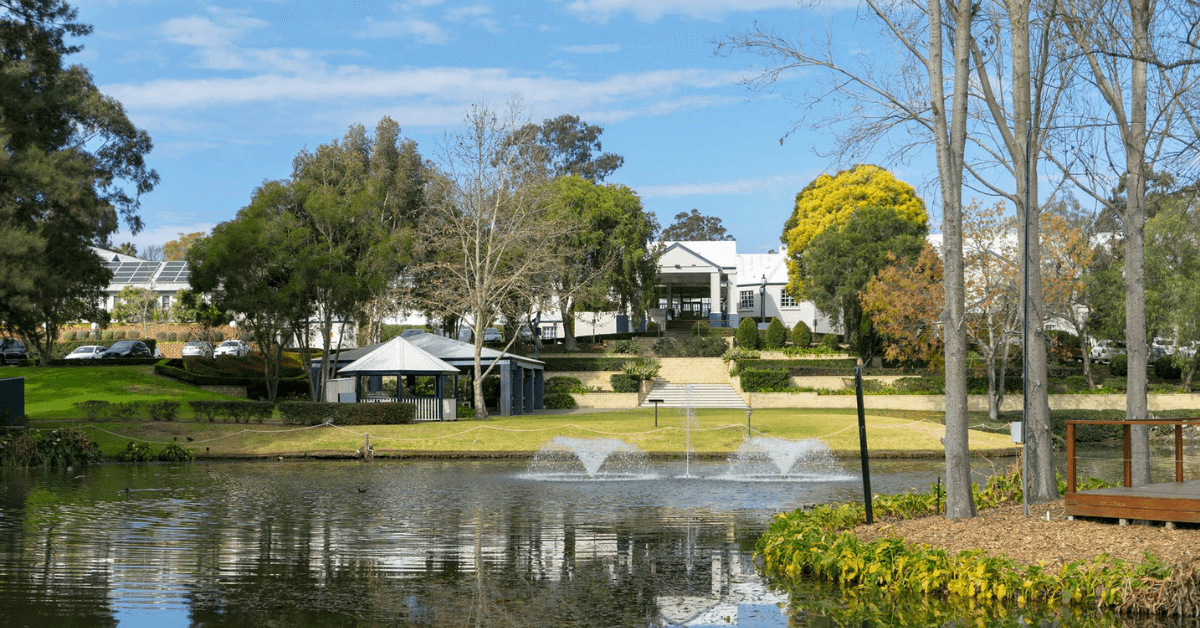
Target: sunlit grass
{"x": 716, "y": 431}
{"x": 51, "y": 391}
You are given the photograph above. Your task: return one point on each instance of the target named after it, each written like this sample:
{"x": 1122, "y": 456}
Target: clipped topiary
{"x": 119, "y": 334}
{"x": 1165, "y": 368}
{"x": 68, "y": 336}
{"x": 747, "y": 334}
{"x": 172, "y": 336}
{"x": 830, "y": 341}
{"x": 1120, "y": 365}
{"x": 801, "y": 335}
{"x": 776, "y": 335}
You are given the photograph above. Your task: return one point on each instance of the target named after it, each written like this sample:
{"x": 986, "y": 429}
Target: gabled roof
{"x": 752, "y": 266}
{"x": 398, "y": 355}
{"x": 720, "y": 253}
{"x": 456, "y": 351}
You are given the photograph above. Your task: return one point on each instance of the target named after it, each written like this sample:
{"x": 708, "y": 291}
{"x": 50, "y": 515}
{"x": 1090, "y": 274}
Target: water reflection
{"x": 395, "y": 543}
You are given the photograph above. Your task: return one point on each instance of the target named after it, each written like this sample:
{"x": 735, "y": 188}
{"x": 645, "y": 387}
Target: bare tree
{"x": 935, "y": 42}
{"x": 993, "y": 293}
{"x": 488, "y": 231}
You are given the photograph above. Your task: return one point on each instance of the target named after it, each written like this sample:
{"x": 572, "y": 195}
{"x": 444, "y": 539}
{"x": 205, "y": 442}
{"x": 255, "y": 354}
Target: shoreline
{"x": 433, "y": 454}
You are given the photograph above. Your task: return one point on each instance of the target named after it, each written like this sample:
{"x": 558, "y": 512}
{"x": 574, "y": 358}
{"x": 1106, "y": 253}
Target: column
{"x": 714, "y": 298}
{"x": 732, "y": 299}
{"x": 506, "y": 391}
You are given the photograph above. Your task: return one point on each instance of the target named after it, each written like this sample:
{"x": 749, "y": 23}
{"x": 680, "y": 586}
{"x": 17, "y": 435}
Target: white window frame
{"x": 786, "y": 299}
{"x": 746, "y": 302}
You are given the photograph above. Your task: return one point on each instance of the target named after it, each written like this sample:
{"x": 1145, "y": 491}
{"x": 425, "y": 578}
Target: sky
{"x": 230, "y": 92}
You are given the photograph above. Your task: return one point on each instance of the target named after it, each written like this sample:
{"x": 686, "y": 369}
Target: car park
{"x": 235, "y": 348}
{"x": 1162, "y": 347}
{"x": 128, "y": 349}
{"x": 197, "y": 349}
{"x": 86, "y": 352}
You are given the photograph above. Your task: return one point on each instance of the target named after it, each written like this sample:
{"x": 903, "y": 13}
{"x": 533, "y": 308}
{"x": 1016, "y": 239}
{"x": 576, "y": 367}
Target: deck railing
{"x": 427, "y": 407}
{"x": 1127, "y": 445}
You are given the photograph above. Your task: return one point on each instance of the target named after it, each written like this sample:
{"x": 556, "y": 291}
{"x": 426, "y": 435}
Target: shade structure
{"x": 398, "y": 356}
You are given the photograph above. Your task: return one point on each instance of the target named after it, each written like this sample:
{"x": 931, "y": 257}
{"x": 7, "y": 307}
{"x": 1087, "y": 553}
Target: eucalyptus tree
{"x": 925, "y": 94}
{"x": 72, "y": 166}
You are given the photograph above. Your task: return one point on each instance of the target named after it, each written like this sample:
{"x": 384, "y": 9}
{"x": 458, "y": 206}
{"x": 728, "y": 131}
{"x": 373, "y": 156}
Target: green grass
{"x": 51, "y": 391}
{"x": 718, "y": 431}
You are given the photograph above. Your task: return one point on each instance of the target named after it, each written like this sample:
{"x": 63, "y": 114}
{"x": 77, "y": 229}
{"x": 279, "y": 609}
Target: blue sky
{"x": 231, "y": 91}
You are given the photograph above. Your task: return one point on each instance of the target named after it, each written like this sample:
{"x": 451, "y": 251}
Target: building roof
{"x": 752, "y": 266}
{"x": 132, "y": 271}
{"x": 722, "y": 253}
{"x": 398, "y": 355}
{"x": 456, "y": 351}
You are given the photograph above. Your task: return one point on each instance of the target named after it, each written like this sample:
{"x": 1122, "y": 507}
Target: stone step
{"x": 702, "y": 396}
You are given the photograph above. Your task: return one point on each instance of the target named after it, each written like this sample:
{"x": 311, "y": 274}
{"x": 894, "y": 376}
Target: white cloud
{"x": 475, "y": 15}
{"x": 740, "y": 186}
{"x": 434, "y": 86}
{"x": 592, "y": 49}
{"x": 652, "y": 10}
{"x": 426, "y": 32}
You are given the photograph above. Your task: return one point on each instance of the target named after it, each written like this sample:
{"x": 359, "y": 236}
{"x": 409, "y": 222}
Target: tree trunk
{"x": 567, "y": 311}
{"x": 1135, "y": 245}
{"x": 1085, "y": 353}
{"x": 949, "y": 137}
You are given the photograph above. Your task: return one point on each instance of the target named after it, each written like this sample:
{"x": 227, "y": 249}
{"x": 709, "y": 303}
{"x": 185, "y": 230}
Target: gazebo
{"x": 380, "y": 376}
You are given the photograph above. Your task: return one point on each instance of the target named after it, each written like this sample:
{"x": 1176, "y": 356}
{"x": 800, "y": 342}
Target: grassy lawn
{"x": 51, "y": 391}
{"x": 717, "y": 431}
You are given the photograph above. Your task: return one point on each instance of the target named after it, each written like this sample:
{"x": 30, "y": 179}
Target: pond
{"x": 411, "y": 543}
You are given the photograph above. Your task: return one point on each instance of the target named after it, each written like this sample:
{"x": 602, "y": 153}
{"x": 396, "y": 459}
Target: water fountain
{"x": 766, "y": 457}
{"x": 561, "y": 457}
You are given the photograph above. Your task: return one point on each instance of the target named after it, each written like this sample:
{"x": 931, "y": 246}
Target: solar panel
{"x": 174, "y": 272}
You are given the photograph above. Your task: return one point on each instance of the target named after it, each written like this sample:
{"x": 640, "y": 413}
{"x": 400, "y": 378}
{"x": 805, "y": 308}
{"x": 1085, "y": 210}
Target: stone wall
{"x": 976, "y": 403}
{"x": 606, "y": 400}
{"x": 694, "y": 371}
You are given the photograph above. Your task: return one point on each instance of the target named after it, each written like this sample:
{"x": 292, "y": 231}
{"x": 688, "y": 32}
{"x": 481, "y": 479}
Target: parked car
{"x": 1104, "y": 350}
{"x": 128, "y": 349}
{"x": 233, "y": 347}
{"x": 12, "y": 350}
{"x": 1162, "y": 347}
{"x": 491, "y": 334}
{"x": 86, "y": 352}
{"x": 197, "y": 349}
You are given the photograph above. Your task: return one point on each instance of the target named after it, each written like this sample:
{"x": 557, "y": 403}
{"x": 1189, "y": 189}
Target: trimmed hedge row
{"x": 316, "y": 413}
{"x": 624, "y": 383}
{"x": 256, "y": 387}
{"x": 165, "y": 410}
{"x": 584, "y": 364}
{"x": 237, "y": 411}
{"x": 691, "y": 347}
{"x": 764, "y": 380}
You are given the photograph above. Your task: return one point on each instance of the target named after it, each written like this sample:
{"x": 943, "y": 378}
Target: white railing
{"x": 427, "y": 407}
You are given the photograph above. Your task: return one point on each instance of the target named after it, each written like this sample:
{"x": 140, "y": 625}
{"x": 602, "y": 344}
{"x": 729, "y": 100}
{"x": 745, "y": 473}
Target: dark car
{"x": 128, "y": 349}
{"x": 12, "y": 351}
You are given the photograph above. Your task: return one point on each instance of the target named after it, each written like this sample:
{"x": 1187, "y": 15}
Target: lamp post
{"x": 762, "y": 299}
{"x": 749, "y": 411}
{"x": 655, "y": 402}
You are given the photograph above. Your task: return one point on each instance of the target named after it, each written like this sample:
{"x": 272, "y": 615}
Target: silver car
{"x": 233, "y": 347}
{"x": 86, "y": 352}
{"x": 197, "y": 349}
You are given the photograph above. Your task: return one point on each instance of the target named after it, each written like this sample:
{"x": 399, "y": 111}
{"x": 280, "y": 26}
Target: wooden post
{"x": 1126, "y": 456}
{"x": 1179, "y": 452}
{"x": 368, "y": 455}
{"x": 1070, "y": 457}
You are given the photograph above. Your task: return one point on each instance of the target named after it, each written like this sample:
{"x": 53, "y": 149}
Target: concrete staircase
{"x": 703, "y": 395}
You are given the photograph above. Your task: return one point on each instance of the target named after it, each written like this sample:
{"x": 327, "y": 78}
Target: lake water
{"x": 408, "y": 543}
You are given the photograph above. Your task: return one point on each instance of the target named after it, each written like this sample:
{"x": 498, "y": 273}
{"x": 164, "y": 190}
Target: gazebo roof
{"x": 398, "y": 355}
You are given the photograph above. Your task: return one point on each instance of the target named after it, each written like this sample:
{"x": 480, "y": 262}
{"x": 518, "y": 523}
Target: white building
{"x": 162, "y": 278}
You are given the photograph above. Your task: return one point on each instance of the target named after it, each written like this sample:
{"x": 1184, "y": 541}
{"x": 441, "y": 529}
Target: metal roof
{"x": 398, "y": 355}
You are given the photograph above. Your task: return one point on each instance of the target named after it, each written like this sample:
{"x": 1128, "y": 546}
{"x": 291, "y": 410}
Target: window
{"x": 548, "y": 332}
{"x": 166, "y": 301}
{"x": 747, "y": 300}
{"x": 786, "y": 299}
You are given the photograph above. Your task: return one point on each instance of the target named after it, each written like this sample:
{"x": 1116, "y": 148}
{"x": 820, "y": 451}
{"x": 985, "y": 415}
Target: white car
{"x": 197, "y": 349}
{"x": 86, "y": 352}
{"x": 233, "y": 347}
{"x": 1104, "y": 350}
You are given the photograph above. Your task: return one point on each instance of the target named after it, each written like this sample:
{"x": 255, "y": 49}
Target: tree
{"x": 607, "y": 259}
{"x": 747, "y": 333}
{"x": 695, "y": 227}
{"x": 839, "y": 261}
{"x": 190, "y": 306}
{"x": 776, "y": 335}
{"x": 136, "y": 305}
{"x": 127, "y": 248}
{"x": 490, "y": 233}
{"x": 905, "y": 300}
{"x": 176, "y": 250}
{"x": 250, "y": 265}
{"x": 1173, "y": 279}
{"x": 993, "y": 292}
{"x": 72, "y": 164}
{"x": 152, "y": 253}
{"x": 566, "y": 146}
{"x": 1068, "y": 256}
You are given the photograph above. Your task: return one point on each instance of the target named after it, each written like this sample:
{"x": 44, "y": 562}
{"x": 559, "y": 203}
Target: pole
{"x": 862, "y": 443}
{"x": 1025, "y": 327}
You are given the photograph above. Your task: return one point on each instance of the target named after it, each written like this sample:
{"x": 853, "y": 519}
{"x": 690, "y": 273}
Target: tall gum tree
{"x": 925, "y": 94}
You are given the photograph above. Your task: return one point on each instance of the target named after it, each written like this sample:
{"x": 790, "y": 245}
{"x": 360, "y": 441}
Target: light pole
{"x": 655, "y": 402}
{"x": 749, "y": 411}
{"x": 762, "y": 299}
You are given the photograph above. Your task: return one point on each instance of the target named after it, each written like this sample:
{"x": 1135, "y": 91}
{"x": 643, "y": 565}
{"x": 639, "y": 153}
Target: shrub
{"x": 160, "y": 336}
{"x": 624, "y": 383}
{"x": 747, "y": 333}
{"x": 204, "y": 409}
{"x": 57, "y": 449}
{"x": 701, "y": 329}
{"x": 68, "y": 336}
{"x": 1120, "y": 365}
{"x": 165, "y": 410}
{"x": 584, "y": 364}
{"x": 629, "y": 346}
{"x": 562, "y": 384}
{"x": 185, "y": 336}
{"x": 119, "y": 334}
{"x": 171, "y": 336}
{"x": 92, "y": 409}
{"x": 642, "y": 369}
{"x": 173, "y": 452}
{"x": 135, "y": 335}
{"x": 652, "y": 328}
{"x": 739, "y": 353}
{"x": 764, "y": 380}
{"x": 108, "y": 334}
{"x": 317, "y": 412}
{"x": 830, "y": 341}
{"x": 801, "y": 335}
{"x": 691, "y": 347}
{"x": 920, "y": 386}
{"x": 1165, "y": 368}
{"x": 135, "y": 452}
{"x": 776, "y": 335}
{"x": 560, "y": 401}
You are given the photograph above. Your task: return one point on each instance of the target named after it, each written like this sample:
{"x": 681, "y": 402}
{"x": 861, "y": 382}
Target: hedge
{"x": 316, "y": 413}
{"x": 563, "y": 384}
{"x": 802, "y": 367}
{"x": 801, "y": 335}
{"x": 560, "y": 401}
{"x": 255, "y": 384}
{"x": 776, "y": 335}
{"x": 764, "y": 380}
{"x": 584, "y": 364}
{"x": 237, "y": 411}
{"x": 623, "y": 383}
{"x": 691, "y": 347}
{"x": 747, "y": 334}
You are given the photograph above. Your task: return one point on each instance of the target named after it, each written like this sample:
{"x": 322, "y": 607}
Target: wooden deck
{"x": 1177, "y": 501}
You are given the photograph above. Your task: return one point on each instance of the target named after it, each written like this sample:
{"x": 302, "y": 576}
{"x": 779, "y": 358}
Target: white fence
{"x": 427, "y": 407}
